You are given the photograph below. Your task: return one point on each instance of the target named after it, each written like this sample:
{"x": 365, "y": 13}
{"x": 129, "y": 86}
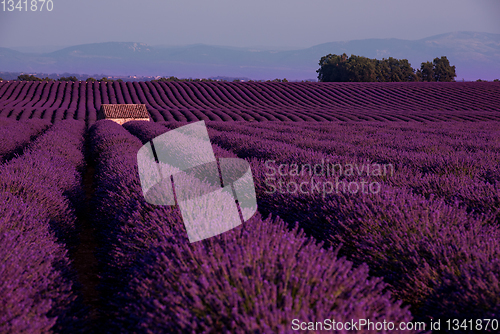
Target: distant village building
{"x": 122, "y": 113}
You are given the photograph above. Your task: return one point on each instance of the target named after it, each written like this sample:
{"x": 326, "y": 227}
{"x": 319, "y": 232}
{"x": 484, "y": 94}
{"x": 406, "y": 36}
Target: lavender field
{"x": 401, "y": 225}
{"x": 255, "y": 101}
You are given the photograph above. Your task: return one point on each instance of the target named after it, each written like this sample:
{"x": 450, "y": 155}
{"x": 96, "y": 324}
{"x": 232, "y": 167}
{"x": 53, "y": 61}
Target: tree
{"x": 341, "y": 68}
{"x": 439, "y": 70}
{"x": 360, "y": 69}
{"x": 104, "y": 79}
{"x": 496, "y": 80}
{"x": 426, "y": 72}
{"x": 26, "y": 77}
{"x": 164, "y": 79}
{"x": 443, "y": 72}
{"x": 395, "y": 70}
{"x": 91, "y": 79}
{"x": 71, "y": 78}
{"x": 277, "y": 80}
{"x": 334, "y": 68}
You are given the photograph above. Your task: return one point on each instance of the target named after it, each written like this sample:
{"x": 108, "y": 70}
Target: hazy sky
{"x": 274, "y": 23}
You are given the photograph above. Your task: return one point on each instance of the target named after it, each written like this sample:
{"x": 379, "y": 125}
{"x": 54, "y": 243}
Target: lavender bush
{"x": 48, "y": 173}
{"x": 433, "y": 228}
{"x": 256, "y": 278}
{"x": 38, "y": 224}
{"x": 33, "y": 289}
{"x": 17, "y": 134}
{"x": 249, "y": 280}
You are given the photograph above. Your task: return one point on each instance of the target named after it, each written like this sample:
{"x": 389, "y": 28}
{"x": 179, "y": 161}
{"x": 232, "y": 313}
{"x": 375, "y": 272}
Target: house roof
{"x": 124, "y": 111}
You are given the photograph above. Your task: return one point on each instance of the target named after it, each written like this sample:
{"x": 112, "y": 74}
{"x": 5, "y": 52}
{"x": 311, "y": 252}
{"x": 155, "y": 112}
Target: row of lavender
{"x": 201, "y": 95}
{"x": 431, "y": 231}
{"x": 256, "y": 278}
{"x": 217, "y": 101}
{"x": 38, "y": 195}
{"x": 15, "y": 135}
{"x": 459, "y": 163}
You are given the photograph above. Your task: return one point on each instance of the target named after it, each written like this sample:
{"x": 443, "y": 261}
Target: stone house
{"x": 122, "y": 113}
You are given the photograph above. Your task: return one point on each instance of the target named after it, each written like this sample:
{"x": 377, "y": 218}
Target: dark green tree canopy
{"x": 443, "y": 72}
{"x": 341, "y": 68}
{"x": 395, "y": 70}
{"x": 426, "y": 72}
{"x": 277, "y": 80}
{"x": 27, "y": 77}
{"x": 72, "y": 78}
{"x": 164, "y": 79}
{"x": 335, "y": 68}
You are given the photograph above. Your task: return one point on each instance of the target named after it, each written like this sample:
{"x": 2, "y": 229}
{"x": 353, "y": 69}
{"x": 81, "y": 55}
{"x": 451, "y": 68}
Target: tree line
{"x": 335, "y": 68}
{"x": 172, "y": 78}
{"x": 27, "y": 77}
{"x": 104, "y": 79}
{"x": 341, "y": 68}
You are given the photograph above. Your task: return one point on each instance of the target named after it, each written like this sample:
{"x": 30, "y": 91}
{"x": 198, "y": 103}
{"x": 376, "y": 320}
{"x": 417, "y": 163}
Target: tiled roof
{"x": 124, "y": 111}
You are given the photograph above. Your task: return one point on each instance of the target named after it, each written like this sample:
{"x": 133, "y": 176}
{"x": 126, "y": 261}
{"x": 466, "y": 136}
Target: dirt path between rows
{"x": 83, "y": 258}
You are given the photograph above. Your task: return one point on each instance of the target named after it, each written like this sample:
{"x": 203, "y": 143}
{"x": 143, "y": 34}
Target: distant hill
{"x": 476, "y": 56}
